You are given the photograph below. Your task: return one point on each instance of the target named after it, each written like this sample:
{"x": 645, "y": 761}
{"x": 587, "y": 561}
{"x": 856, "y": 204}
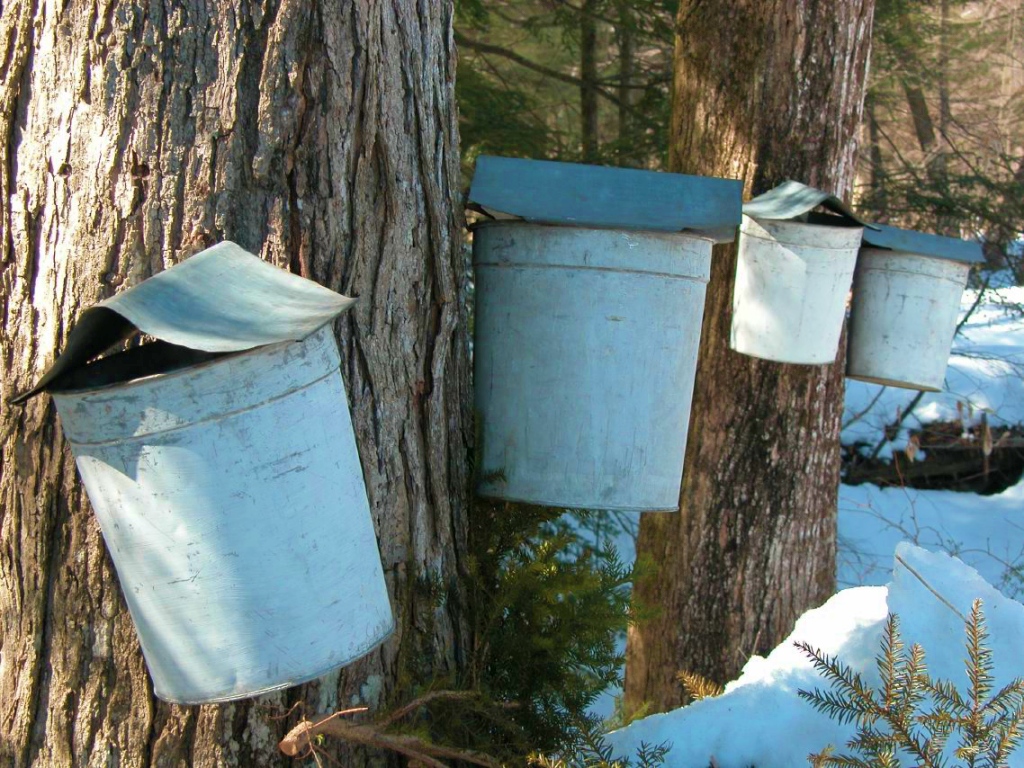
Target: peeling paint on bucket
{"x": 585, "y": 357}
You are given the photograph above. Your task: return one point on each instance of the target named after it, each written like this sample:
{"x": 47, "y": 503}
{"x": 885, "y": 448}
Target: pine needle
{"x": 890, "y": 721}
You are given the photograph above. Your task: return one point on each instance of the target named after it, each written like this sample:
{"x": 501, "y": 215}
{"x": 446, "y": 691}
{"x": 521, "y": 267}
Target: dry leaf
{"x": 913, "y": 446}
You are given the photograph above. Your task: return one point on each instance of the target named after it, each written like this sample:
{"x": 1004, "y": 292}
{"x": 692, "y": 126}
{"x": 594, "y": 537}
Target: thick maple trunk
{"x": 765, "y": 90}
{"x": 320, "y": 136}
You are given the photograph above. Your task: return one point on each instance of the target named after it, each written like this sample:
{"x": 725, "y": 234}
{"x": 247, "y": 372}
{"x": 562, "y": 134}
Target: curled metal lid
{"x": 610, "y": 198}
{"x": 936, "y": 246}
{"x": 223, "y": 299}
{"x": 791, "y": 199}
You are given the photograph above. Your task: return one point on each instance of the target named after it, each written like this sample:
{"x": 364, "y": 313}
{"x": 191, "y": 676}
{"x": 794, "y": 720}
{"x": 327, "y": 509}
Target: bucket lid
{"x": 221, "y": 300}
{"x": 791, "y": 200}
{"x": 936, "y": 246}
{"x": 571, "y": 194}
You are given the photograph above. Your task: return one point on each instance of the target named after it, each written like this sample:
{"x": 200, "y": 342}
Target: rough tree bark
{"x": 321, "y": 136}
{"x": 765, "y": 90}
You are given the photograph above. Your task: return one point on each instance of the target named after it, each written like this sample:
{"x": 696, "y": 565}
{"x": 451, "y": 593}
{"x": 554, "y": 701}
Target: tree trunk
{"x": 765, "y": 90}
{"x": 938, "y": 166}
{"x": 877, "y": 197}
{"x": 924, "y": 126}
{"x": 320, "y": 136}
{"x": 625, "y": 34}
{"x": 588, "y": 84}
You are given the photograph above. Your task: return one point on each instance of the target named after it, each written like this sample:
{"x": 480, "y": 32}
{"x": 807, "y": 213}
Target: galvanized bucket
{"x": 585, "y": 356}
{"x": 792, "y": 281}
{"x": 227, "y": 483}
{"x": 906, "y": 298}
{"x": 903, "y": 318}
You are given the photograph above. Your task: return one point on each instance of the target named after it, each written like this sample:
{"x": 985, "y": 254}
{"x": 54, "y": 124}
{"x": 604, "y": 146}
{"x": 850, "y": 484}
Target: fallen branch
{"x": 301, "y": 740}
{"x": 408, "y": 709}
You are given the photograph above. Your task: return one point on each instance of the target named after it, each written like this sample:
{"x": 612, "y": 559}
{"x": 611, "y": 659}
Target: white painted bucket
{"x": 585, "y": 354}
{"x": 792, "y": 281}
{"x": 231, "y": 498}
{"x": 903, "y": 318}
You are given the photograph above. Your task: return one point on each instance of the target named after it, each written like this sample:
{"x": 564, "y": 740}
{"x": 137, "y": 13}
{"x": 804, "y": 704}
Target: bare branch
{"x": 412, "y": 706}
{"x": 301, "y": 739}
{"x": 497, "y": 50}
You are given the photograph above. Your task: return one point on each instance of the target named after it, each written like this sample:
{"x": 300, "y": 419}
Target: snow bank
{"x": 986, "y": 532}
{"x": 760, "y": 721}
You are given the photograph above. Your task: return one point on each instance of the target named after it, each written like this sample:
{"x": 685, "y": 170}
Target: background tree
{"x": 945, "y": 153}
{"x": 765, "y": 90}
{"x": 320, "y": 136}
{"x": 584, "y": 81}
{"x": 944, "y": 122}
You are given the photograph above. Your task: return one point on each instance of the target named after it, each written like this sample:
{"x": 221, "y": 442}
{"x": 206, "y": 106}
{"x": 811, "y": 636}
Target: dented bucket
{"x": 222, "y": 466}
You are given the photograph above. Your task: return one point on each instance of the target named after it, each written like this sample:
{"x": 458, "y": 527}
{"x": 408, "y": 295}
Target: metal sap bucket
{"x": 906, "y": 298}
{"x": 793, "y": 275}
{"x": 589, "y": 304}
{"x": 227, "y": 483}
{"x": 584, "y": 362}
{"x": 792, "y": 280}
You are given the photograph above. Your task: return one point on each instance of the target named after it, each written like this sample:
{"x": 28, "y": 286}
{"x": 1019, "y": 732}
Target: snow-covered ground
{"x": 985, "y": 375}
{"x": 987, "y": 532}
{"x": 760, "y": 720}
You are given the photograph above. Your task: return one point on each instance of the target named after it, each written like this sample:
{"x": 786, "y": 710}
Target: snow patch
{"x": 760, "y": 720}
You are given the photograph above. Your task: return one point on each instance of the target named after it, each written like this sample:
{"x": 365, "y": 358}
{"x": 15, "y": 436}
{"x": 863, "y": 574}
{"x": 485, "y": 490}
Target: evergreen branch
{"x": 874, "y": 742}
{"x": 1008, "y": 700}
{"x": 989, "y": 730}
{"x": 412, "y": 706}
{"x": 979, "y": 658}
{"x": 1008, "y": 739}
{"x": 853, "y": 701}
{"x": 827, "y": 760}
{"x": 979, "y": 674}
{"x": 948, "y": 697}
{"x": 888, "y": 660}
{"x": 940, "y": 725}
{"x": 911, "y": 683}
{"x": 699, "y": 687}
